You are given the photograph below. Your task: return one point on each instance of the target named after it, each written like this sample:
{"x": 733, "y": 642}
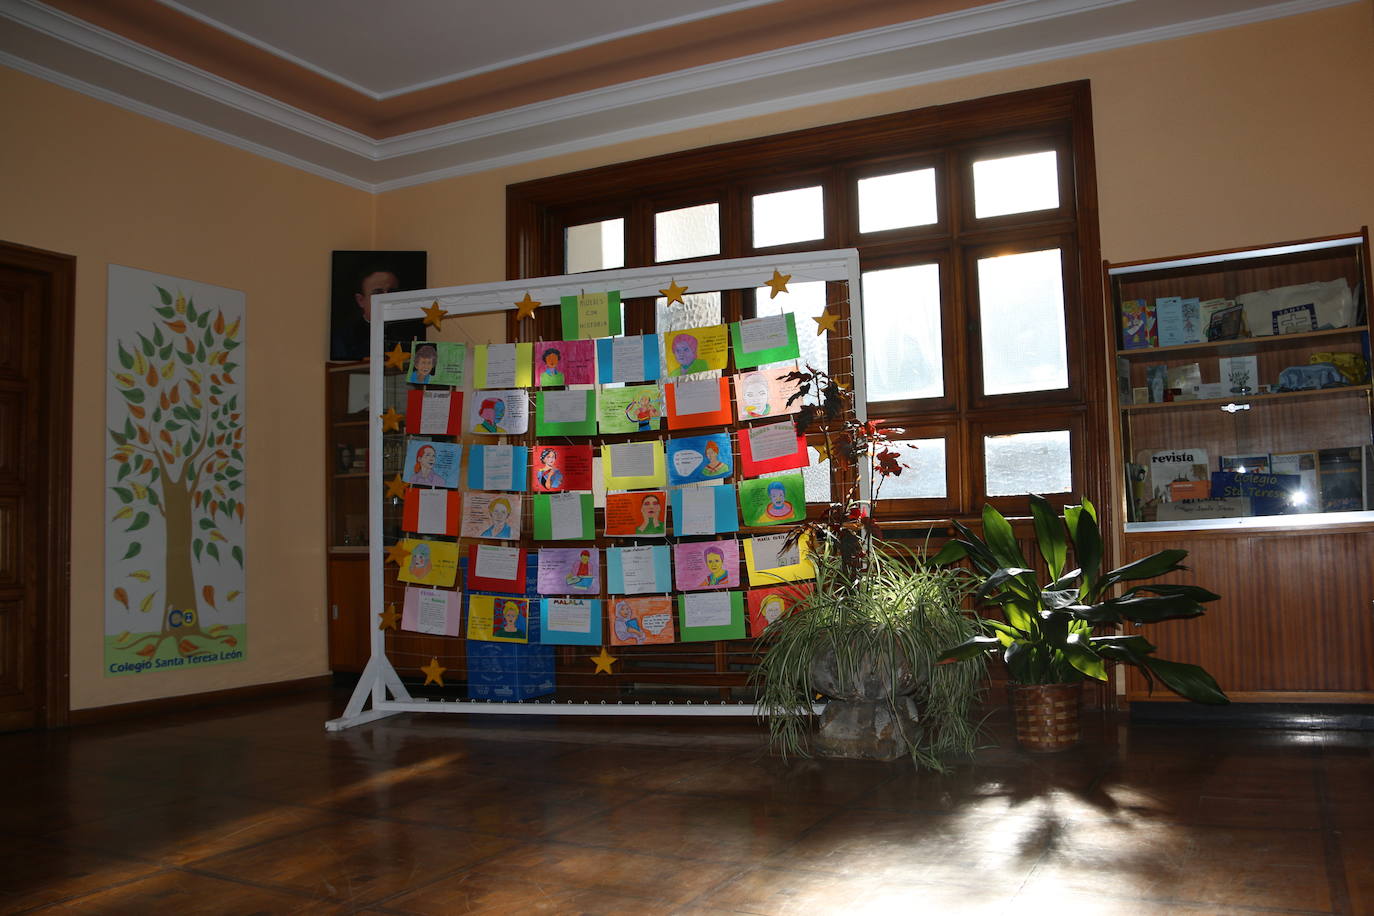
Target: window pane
{"x": 1023, "y": 463}
{"x": 697, "y": 310}
{"x": 902, "y": 347}
{"x": 789, "y": 216}
{"x": 1021, "y": 307}
{"x": 806, "y": 301}
{"x": 692, "y": 232}
{"x": 897, "y": 201}
{"x": 594, "y": 246}
{"x": 1015, "y": 184}
{"x": 924, "y": 478}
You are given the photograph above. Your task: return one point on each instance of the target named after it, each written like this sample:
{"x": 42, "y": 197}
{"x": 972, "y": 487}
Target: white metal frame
{"x": 380, "y": 685}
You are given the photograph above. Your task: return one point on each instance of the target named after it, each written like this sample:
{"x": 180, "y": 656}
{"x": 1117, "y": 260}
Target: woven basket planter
{"x": 1046, "y": 715}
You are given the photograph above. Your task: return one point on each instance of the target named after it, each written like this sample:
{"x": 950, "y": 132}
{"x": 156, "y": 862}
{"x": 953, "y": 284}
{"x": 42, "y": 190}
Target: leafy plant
{"x": 1047, "y": 637}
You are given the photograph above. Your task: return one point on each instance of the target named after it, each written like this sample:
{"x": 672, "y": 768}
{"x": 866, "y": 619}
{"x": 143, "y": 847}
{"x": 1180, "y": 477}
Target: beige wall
{"x": 1250, "y": 135}
{"x": 91, "y": 180}
{"x": 1256, "y": 134}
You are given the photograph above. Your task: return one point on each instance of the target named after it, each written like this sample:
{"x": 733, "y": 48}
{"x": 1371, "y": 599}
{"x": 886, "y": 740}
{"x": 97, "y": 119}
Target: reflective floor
{"x": 254, "y": 808}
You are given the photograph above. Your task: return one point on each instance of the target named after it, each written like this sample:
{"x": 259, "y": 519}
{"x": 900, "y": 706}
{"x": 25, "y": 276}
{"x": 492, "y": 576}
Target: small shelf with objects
{"x": 1243, "y": 387}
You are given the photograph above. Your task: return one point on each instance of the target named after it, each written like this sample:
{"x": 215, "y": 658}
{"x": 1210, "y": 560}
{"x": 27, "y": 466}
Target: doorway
{"x": 37, "y": 305}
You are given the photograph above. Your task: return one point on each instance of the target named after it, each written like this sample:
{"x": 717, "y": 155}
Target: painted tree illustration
{"x": 180, "y": 455}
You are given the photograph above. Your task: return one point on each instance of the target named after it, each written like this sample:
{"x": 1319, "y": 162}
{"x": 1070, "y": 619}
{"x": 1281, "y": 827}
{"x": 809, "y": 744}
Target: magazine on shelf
{"x": 1164, "y": 468}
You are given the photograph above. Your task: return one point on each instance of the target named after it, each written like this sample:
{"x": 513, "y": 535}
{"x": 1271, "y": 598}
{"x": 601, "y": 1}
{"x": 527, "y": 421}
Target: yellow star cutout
{"x": 391, "y": 420}
{"x": 398, "y": 553}
{"x": 396, "y": 488}
{"x": 778, "y": 284}
{"x": 827, "y": 322}
{"x": 434, "y": 673}
{"x": 526, "y": 306}
{"x": 434, "y": 316}
{"x": 822, "y": 450}
{"x": 603, "y": 662}
{"x": 674, "y": 293}
{"x": 388, "y": 619}
{"x": 397, "y": 357}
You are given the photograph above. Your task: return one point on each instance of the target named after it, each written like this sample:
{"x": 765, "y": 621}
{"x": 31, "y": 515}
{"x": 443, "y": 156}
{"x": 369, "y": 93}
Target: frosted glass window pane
{"x": 805, "y": 301}
{"x": 926, "y": 476}
{"x": 1015, "y": 184}
{"x": 594, "y": 246}
{"x": 697, "y": 310}
{"x": 1023, "y": 463}
{"x": 816, "y": 476}
{"x": 1021, "y": 307}
{"x": 902, "y": 347}
{"x": 789, "y": 216}
{"x": 897, "y": 201}
{"x": 692, "y": 232}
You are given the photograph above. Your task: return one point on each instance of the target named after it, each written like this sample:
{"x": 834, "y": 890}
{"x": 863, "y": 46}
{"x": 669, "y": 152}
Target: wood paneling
{"x": 1296, "y": 613}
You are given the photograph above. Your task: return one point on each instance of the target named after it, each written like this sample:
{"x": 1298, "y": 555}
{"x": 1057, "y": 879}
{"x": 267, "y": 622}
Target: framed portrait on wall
{"x": 357, "y": 276}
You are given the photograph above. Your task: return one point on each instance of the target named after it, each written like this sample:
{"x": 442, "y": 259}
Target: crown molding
{"x": 983, "y": 39}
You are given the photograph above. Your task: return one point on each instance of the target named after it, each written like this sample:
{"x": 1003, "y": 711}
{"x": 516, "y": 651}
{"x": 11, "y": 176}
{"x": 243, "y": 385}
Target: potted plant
{"x": 869, "y": 634}
{"x": 1047, "y": 638}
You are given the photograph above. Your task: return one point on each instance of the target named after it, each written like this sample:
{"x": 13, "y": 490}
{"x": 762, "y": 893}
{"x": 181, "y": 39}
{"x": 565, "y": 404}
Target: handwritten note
{"x": 632, "y": 459}
{"x": 498, "y": 467}
{"x": 565, "y": 516}
{"x": 698, "y": 515}
{"x": 701, "y": 396}
{"x": 627, "y": 359}
{"x": 434, "y": 412}
{"x": 770, "y": 552}
{"x": 776, "y": 440}
{"x": 497, "y": 562}
{"x": 568, "y": 615}
{"x": 709, "y": 609}
{"x": 565, "y": 406}
{"x": 433, "y": 607}
{"x": 639, "y": 570}
{"x": 763, "y": 333}
{"x": 433, "y": 515}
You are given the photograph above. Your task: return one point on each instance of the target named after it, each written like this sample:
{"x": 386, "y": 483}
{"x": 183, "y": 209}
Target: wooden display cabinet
{"x": 1288, "y": 544}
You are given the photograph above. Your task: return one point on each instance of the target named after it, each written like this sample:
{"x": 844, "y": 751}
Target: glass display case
{"x": 347, "y": 460}
{"x": 1243, "y": 386}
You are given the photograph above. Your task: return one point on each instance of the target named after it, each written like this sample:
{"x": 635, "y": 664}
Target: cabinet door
{"x": 348, "y": 613}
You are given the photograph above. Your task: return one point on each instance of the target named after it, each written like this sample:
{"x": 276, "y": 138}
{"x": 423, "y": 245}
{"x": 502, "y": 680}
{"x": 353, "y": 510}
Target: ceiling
{"x": 380, "y": 96}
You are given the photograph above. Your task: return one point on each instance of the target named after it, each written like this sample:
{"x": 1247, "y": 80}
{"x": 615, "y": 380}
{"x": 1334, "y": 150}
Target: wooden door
{"x": 35, "y": 439}
{"x": 349, "y": 597}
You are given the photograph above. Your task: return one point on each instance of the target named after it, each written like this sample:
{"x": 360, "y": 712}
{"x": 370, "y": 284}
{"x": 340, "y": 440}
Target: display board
{"x": 596, "y": 488}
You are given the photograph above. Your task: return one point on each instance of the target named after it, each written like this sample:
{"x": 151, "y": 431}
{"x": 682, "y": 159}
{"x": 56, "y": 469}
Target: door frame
{"x": 52, "y": 495}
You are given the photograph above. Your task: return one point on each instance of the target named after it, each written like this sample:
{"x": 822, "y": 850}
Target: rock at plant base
{"x": 868, "y": 729}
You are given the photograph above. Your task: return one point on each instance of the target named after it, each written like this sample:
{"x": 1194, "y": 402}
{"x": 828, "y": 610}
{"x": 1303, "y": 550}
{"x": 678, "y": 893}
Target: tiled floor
{"x": 254, "y": 808}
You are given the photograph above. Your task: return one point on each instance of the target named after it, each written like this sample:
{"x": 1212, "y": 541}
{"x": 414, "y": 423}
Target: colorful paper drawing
{"x": 637, "y": 515}
{"x": 634, "y": 409}
{"x": 492, "y": 568}
{"x": 570, "y": 622}
{"x": 640, "y": 621}
{"x": 765, "y": 393}
{"x": 429, "y": 562}
{"x": 563, "y": 517}
{"x": 769, "y": 559}
{"x": 431, "y": 511}
{"x": 498, "y": 618}
{"x": 491, "y": 515}
{"x": 627, "y": 359}
{"x": 434, "y": 413}
{"x": 436, "y": 611}
{"x": 569, "y": 571}
{"x": 770, "y": 447}
{"x": 497, "y": 467}
{"x": 501, "y": 365}
{"x": 561, "y": 467}
{"x": 711, "y": 616}
{"x": 564, "y": 362}
{"x": 706, "y": 564}
{"x": 772, "y": 339}
{"x": 638, "y": 570}
{"x": 704, "y": 510}
{"x": 437, "y": 363}
{"x": 432, "y": 464}
{"x": 699, "y": 459}
{"x": 591, "y": 315}
{"x": 498, "y": 413}
{"x": 698, "y": 403}
{"x": 567, "y": 412}
{"x": 633, "y": 465}
{"x": 773, "y": 500}
{"x": 768, "y": 605}
{"x": 695, "y": 350}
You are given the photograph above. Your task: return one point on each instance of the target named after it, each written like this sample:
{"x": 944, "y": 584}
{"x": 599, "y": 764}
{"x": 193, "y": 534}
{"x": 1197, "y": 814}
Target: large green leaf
{"x": 1156, "y": 564}
{"x": 1049, "y": 535}
{"x": 952, "y": 552}
{"x": 1142, "y": 609}
{"x": 1087, "y": 548}
{"x": 1188, "y": 681}
{"x": 1001, "y": 540}
{"x": 967, "y": 649}
{"x": 1084, "y": 660}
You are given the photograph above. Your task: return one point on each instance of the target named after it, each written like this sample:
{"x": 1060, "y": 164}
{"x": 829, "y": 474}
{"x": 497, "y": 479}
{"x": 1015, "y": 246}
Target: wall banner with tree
{"x": 175, "y": 492}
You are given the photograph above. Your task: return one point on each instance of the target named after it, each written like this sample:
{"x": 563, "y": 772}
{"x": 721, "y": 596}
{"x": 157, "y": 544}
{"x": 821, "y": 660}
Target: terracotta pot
{"x": 1046, "y": 715}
